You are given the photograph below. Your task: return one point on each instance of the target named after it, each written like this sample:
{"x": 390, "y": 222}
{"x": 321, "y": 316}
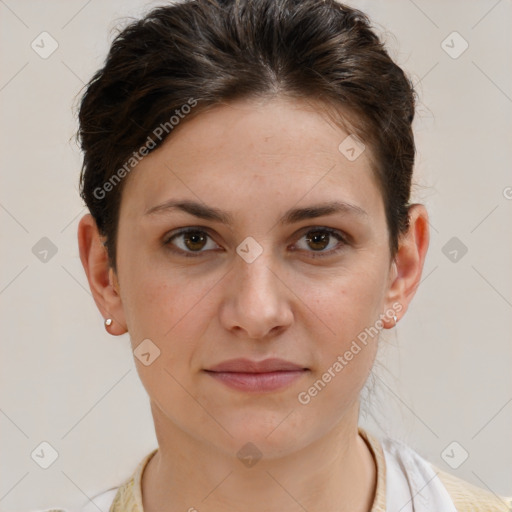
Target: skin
{"x": 255, "y": 160}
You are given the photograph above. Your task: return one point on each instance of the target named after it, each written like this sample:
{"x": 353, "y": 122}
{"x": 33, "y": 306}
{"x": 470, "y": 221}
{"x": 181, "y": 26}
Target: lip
{"x": 242, "y": 365}
{"x": 256, "y": 376}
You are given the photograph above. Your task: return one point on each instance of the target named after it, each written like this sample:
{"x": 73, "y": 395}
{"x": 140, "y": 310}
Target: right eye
{"x": 192, "y": 241}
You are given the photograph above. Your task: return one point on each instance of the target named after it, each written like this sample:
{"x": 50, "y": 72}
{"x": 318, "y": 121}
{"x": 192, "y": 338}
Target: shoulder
{"x": 470, "y": 498}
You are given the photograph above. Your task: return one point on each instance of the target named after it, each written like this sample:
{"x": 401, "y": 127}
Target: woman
{"x": 247, "y": 168}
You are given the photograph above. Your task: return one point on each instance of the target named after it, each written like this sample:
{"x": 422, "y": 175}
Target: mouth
{"x": 254, "y": 376}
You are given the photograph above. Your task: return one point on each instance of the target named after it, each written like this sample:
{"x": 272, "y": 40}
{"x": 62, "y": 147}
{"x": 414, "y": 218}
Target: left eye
{"x": 319, "y": 238}
{"x": 193, "y": 240}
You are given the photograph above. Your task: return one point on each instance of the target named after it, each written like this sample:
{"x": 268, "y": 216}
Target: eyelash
{"x": 333, "y": 232}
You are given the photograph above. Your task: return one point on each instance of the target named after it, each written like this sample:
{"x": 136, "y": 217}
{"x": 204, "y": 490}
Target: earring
{"x": 395, "y": 319}
{"x": 108, "y": 323}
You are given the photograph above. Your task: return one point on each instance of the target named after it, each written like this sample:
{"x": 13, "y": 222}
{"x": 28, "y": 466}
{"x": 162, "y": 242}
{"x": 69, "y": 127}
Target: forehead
{"x": 246, "y": 151}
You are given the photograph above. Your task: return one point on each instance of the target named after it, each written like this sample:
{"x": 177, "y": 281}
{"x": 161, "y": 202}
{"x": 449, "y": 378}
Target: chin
{"x": 274, "y": 434}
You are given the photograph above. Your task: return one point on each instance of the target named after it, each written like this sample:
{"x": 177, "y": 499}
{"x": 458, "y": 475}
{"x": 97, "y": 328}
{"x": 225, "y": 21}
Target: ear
{"x": 102, "y": 278}
{"x": 407, "y": 265}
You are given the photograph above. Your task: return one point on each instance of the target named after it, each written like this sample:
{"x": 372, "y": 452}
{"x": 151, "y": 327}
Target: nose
{"x": 257, "y": 302}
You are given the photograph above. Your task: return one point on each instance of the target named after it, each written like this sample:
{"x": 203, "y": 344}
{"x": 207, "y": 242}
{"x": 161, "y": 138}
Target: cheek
{"x": 346, "y": 348}
{"x": 344, "y": 306}
{"x": 347, "y": 342}
{"x": 155, "y": 298}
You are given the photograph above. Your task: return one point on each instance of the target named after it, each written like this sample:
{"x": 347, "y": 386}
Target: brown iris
{"x": 319, "y": 237}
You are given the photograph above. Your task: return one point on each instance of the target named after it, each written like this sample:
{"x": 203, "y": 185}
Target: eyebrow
{"x": 205, "y": 212}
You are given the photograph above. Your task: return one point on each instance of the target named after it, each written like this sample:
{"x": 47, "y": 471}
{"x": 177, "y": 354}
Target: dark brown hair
{"x": 207, "y": 52}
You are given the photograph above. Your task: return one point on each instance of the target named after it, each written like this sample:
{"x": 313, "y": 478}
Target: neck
{"x": 335, "y": 472}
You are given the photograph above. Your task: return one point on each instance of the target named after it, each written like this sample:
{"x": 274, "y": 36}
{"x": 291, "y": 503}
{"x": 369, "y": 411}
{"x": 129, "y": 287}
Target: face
{"x": 252, "y": 279}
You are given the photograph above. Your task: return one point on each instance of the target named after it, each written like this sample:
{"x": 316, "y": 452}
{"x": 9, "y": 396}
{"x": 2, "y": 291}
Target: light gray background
{"x": 65, "y": 381}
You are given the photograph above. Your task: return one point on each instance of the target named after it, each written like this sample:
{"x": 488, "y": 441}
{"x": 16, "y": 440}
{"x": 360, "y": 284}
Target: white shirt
{"x": 411, "y": 483}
